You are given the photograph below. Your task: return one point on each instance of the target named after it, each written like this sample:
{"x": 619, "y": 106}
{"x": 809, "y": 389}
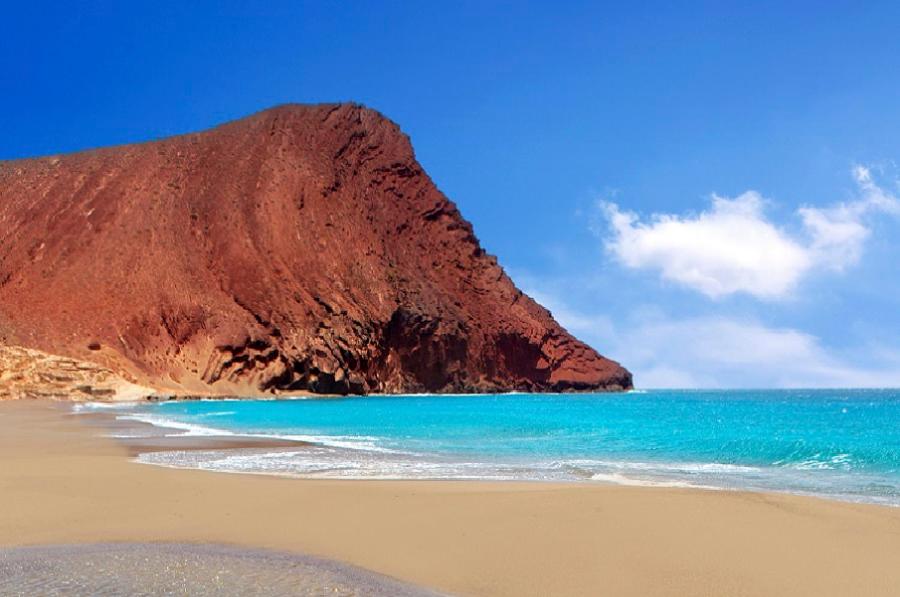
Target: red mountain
{"x": 299, "y": 249}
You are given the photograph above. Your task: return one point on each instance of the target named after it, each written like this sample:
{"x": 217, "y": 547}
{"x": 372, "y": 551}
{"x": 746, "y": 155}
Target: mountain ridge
{"x": 300, "y": 249}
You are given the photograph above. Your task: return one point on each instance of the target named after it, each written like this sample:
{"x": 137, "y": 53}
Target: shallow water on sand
{"x": 150, "y": 569}
{"x": 842, "y": 444}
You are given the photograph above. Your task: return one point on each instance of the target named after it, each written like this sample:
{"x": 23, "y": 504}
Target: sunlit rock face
{"x": 300, "y": 249}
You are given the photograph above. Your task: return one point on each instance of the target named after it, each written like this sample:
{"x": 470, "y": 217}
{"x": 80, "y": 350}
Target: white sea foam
{"x": 349, "y": 442}
{"x": 86, "y": 407}
{"x": 338, "y": 463}
{"x": 618, "y": 479}
{"x": 817, "y": 462}
{"x": 666, "y": 467}
{"x": 316, "y": 466}
{"x": 187, "y": 429}
{"x": 325, "y": 462}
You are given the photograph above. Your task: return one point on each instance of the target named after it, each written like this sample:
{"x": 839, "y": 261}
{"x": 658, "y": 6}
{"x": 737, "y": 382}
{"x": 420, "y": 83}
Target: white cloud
{"x": 839, "y": 232}
{"x": 723, "y": 352}
{"x": 733, "y": 247}
{"x": 726, "y": 352}
{"x": 730, "y": 248}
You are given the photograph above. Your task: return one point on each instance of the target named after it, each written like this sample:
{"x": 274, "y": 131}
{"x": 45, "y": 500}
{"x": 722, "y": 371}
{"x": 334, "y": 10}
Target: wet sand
{"x": 61, "y": 483}
{"x": 141, "y": 438}
{"x": 127, "y": 569}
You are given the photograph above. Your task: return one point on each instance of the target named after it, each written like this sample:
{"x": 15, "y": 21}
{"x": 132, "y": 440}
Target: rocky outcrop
{"x": 26, "y": 373}
{"x": 299, "y": 249}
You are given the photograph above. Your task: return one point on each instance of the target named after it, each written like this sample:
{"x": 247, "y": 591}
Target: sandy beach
{"x": 62, "y": 482}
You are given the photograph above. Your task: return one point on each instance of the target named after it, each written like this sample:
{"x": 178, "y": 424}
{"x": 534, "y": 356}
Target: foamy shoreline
{"x": 63, "y": 483}
{"x": 161, "y": 440}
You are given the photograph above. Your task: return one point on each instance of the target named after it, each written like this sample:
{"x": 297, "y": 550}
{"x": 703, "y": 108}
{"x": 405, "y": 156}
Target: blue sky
{"x": 705, "y": 191}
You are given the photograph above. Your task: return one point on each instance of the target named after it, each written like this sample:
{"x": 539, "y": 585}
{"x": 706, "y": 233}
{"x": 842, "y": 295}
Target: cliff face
{"x": 300, "y": 249}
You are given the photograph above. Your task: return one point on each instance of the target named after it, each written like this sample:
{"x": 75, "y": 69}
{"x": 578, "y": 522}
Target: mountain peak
{"x": 302, "y": 248}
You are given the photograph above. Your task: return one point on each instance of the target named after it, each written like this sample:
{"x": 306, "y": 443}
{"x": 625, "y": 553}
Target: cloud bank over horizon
{"x": 722, "y": 351}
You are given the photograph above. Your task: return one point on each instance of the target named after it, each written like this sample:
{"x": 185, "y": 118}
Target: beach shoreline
{"x": 801, "y": 447}
{"x": 64, "y": 483}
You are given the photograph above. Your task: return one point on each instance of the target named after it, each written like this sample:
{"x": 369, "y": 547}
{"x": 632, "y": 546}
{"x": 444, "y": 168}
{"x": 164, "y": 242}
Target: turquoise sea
{"x": 842, "y": 444}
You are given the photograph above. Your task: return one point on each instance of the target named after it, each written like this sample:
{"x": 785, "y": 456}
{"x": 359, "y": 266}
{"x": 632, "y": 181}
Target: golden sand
{"x": 62, "y": 483}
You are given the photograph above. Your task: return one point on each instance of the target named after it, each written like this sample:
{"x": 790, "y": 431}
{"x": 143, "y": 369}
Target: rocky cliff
{"x": 26, "y": 373}
{"x": 299, "y": 249}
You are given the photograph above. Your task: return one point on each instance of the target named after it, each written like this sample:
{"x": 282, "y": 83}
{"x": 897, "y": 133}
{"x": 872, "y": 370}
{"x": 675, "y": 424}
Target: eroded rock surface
{"x": 26, "y": 373}
{"x": 299, "y": 249}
